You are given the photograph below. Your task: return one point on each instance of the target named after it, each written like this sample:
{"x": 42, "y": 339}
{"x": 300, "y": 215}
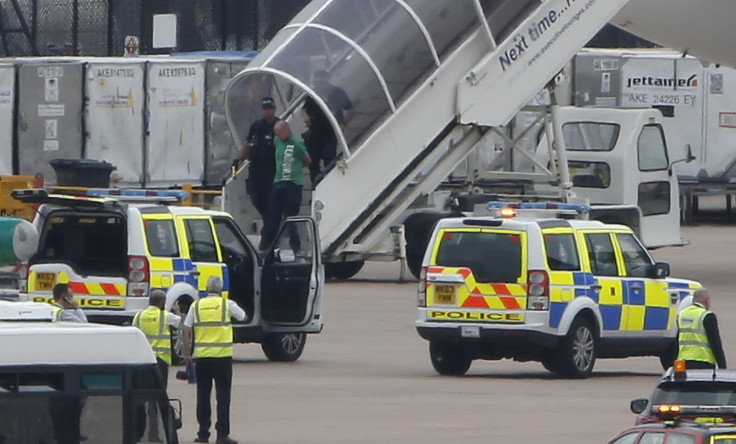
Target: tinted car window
{"x": 94, "y": 244}
{"x": 695, "y": 393}
{"x": 590, "y": 136}
{"x": 652, "y": 149}
{"x": 493, "y": 257}
{"x": 562, "y": 254}
{"x": 652, "y": 438}
{"x": 635, "y": 257}
{"x": 590, "y": 174}
{"x": 654, "y": 198}
{"x": 680, "y": 438}
{"x": 601, "y": 254}
{"x": 201, "y": 243}
{"x": 161, "y": 238}
{"x": 629, "y": 438}
{"x": 229, "y": 238}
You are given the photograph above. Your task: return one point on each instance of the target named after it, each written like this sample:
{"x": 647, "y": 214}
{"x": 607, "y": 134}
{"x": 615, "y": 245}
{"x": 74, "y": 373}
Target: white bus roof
{"x": 70, "y": 343}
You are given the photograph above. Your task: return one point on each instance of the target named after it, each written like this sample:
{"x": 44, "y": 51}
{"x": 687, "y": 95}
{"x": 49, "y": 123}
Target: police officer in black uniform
{"x": 258, "y": 149}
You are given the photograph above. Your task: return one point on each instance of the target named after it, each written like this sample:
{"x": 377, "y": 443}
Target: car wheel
{"x": 550, "y": 364}
{"x": 448, "y": 359}
{"x": 577, "y": 351}
{"x": 342, "y": 270}
{"x": 284, "y": 347}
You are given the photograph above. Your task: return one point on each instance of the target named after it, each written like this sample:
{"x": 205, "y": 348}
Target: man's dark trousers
{"x": 219, "y": 370}
{"x": 286, "y": 198}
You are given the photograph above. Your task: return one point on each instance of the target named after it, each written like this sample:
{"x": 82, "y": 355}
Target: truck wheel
{"x": 284, "y": 347}
{"x": 342, "y": 270}
{"x": 576, "y": 353}
{"x": 418, "y": 229}
{"x": 448, "y": 359}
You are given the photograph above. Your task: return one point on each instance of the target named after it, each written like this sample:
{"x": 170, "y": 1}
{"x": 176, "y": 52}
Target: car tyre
{"x": 577, "y": 352}
{"x": 549, "y": 362}
{"x": 448, "y": 359}
{"x": 284, "y": 347}
{"x": 342, "y": 270}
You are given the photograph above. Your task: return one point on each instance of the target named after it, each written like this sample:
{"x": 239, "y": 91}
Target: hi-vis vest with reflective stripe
{"x": 213, "y": 333}
{"x": 58, "y": 312}
{"x": 152, "y": 321}
{"x": 692, "y": 339}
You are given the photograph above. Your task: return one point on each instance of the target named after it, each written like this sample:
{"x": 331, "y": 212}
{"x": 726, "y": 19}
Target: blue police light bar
{"x": 580, "y": 208}
{"x": 139, "y": 195}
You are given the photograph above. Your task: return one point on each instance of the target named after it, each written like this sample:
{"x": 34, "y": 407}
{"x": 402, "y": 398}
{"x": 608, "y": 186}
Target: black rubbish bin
{"x": 82, "y": 172}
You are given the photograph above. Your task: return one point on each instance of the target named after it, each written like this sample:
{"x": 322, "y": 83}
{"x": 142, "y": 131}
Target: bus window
{"x": 102, "y": 419}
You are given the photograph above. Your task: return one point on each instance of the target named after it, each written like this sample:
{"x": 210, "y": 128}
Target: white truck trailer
{"x": 695, "y": 97}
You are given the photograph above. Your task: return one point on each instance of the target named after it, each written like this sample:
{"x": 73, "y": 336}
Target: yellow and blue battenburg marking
{"x": 624, "y": 303}
{"x": 166, "y": 272}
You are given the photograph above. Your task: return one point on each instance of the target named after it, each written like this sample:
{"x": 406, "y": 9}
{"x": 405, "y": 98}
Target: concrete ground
{"x": 367, "y": 378}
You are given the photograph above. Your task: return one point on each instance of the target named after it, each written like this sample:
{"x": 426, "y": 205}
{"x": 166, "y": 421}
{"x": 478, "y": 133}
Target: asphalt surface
{"x": 367, "y": 378}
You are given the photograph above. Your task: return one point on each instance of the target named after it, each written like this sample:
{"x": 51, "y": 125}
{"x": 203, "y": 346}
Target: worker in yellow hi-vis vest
{"x": 156, "y": 323}
{"x": 213, "y": 353}
{"x": 698, "y": 339}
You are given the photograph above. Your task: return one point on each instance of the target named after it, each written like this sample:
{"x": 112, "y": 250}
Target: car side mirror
{"x": 660, "y": 270}
{"x": 285, "y": 255}
{"x": 689, "y": 158}
{"x": 638, "y": 405}
{"x": 174, "y": 414}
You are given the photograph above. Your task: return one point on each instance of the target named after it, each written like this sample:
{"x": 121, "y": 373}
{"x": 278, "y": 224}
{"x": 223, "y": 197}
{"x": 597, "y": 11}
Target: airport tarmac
{"x": 367, "y": 378}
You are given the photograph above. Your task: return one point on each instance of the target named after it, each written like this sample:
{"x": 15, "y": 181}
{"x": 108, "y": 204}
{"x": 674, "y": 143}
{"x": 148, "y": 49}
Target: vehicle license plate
{"x": 45, "y": 281}
{"x": 470, "y": 331}
{"x": 444, "y": 294}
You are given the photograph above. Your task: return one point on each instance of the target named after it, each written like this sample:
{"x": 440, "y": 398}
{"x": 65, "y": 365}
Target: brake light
{"x": 537, "y": 290}
{"x": 422, "y": 290}
{"x": 138, "y": 276}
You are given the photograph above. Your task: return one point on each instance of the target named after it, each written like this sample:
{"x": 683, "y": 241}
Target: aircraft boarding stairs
{"x": 426, "y": 78}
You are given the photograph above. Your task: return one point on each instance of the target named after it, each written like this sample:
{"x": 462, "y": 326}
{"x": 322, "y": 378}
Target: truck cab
{"x": 69, "y": 382}
{"x": 618, "y": 159}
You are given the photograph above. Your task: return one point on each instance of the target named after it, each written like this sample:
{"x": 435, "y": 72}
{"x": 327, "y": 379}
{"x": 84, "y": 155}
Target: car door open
{"x": 289, "y": 279}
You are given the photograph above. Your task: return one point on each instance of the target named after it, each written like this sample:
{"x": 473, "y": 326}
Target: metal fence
{"x": 99, "y": 27}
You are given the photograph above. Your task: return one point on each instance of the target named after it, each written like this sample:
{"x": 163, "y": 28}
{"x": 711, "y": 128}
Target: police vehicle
{"x": 544, "y": 287}
{"x": 709, "y": 389}
{"x": 112, "y": 247}
{"x": 68, "y": 382}
{"x": 671, "y": 427}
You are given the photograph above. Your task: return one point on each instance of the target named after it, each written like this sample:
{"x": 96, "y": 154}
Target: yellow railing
{"x": 10, "y": 206}
{"x": 200, "y": 197}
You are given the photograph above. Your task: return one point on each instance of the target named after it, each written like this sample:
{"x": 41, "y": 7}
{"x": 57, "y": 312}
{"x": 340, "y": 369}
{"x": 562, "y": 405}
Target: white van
{"x": 68, "y": 382}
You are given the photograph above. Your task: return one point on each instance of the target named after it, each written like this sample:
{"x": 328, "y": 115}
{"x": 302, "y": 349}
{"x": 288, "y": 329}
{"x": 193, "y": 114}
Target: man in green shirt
{"x": 286, "y": 194}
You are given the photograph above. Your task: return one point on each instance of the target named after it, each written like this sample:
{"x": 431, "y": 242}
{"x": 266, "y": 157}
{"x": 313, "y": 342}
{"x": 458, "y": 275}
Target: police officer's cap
{"x": 268, "y": 102}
